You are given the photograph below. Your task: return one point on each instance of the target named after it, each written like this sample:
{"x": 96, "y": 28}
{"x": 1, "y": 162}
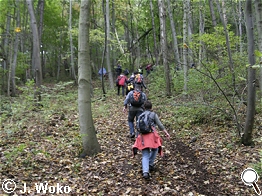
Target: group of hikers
{"x": 147, "y": 139}
{"x": 127, "y": 84}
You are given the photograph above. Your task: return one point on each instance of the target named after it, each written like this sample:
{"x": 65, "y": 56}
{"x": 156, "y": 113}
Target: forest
{"x": 63, "y": 129}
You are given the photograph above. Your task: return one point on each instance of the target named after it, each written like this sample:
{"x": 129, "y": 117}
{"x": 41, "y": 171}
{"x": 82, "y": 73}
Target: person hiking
{"x": 118, "y": 69}
{"x": 102, "y": 72}
{"x": 126, "y": 72}
{"x": 149, "y": 68}
{"x": 134, "y": 100}
{"x": 130, "y": 83}
{"x": 140, "y": 70}
{"x": 121, "y": 83}
{"x": 139, "y": 79}
{"x": 150, "y": 143}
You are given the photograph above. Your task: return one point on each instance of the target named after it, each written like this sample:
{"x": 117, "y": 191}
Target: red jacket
{"x": 149, "y": 140}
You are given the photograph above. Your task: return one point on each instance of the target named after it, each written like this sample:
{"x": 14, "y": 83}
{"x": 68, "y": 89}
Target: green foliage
{"x": 13, "y": 153}
{"x": 258, "y": 166}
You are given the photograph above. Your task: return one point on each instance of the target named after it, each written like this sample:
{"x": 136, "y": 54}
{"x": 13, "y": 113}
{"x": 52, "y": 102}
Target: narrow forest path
{"x": 185, "y": 169}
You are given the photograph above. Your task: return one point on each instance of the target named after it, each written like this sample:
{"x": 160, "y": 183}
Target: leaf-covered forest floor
{"x": 46, "y": 145}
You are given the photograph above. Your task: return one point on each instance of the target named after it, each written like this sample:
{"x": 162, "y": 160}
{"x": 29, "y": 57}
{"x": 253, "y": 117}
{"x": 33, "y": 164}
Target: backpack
{"x": 145, "y": 122}
{"x": 122, "y": 80}
{"x": 136, "y": 98}
{"x": 130, "y": 86}
{"x": 138, "y": 79}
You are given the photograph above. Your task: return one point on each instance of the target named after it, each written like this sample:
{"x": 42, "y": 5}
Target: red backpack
{"x": 121, "y": 80}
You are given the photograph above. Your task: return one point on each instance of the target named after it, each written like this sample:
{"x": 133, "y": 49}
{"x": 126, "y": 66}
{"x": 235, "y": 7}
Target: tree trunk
{"x": 6, "y": 53}
{"x": 201, "y": 31}
{"x": 185, "y": 48}
{"x": 107, "y": 34}
{"x": 163, "y": 41}
{"x": 36, "y": 60}
{"x": 41, "y": 5}
{"x": 17, "y": 36}
{"x": 173, "y": 30}
{"x": 212, "y": 12}
{"x": 154, "y": 33}
{"x": 258, "y": 7}
{"x": 87, "y": 129}
{"x": 230, "y": 59}
{"x": 190, "y": 31}
{"x": 72, "y": 64}
{"x": 251, "y": 99}
{"x": 240, "y": 20}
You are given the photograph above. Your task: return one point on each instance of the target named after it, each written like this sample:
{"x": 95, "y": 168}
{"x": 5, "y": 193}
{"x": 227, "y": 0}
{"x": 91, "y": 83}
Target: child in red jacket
{"x": 150, "y": 143}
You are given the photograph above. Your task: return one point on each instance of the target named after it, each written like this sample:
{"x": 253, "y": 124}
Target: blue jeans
{"x": 148, "y": 158}
{"x": 131, "y": 117}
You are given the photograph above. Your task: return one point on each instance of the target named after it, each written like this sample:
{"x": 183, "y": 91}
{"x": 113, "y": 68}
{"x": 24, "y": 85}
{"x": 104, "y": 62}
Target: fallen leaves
{"x": 47, "y": 150}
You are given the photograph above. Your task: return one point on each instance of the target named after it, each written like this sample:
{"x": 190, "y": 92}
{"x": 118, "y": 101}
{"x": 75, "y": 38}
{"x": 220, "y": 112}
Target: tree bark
{"x": 251, "y": 99}
{"x": 36, "y": 60}
{"x": 5, "y": 85}
{"x": 154, "y": 33}
{"x": 185, "y": 48}
{"x": 163, "y": 41}
{"x": 230, "y": 59}
{"x": 107, "y": 34}
{"x": 201, "y": 31}
{"x": 212, "y": 12}
{"x": 258, "y": 10}
{"x": 72, "y": 64}
{"x": 87, "y": 129}
{"x": 16, "y": 43}
{"x": 173, "y": 30}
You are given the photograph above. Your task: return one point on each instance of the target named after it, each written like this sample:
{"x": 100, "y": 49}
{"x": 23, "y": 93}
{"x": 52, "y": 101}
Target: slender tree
{"x": 72, "y": 64}
{"x": 174, "y": 38}
{"x": 258, "y": 7}
{"x": 154, "y": 33}
{"x": 36, "y": 60}
{"x": 5, "y": 50}
{"x": 16, "y": 43}
{"x": 251, "y": 106}
{"x": 230, "y": 59}
{"x": 107, "y": 34}
{"x": 163, "y": 45}
{"x": 185, "y": 49}
{"x": 87, "y": 129}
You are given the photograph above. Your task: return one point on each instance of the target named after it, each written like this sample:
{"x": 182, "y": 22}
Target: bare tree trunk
{"x": 87, "y": 129}
{"x": 6, "y": 53}
{"x": 36, "y": 59}
{"x": 258, "y": 9}
{"x": 173, "y": 30}
{"x": 41, "y": 4}
{"x": 230, "y": 62}
{"x": 251, "y": 100}
{"x": 201, "y": 31}
{"x": 16, "y": 43}
{"x": 162, "y": 15}
{"x": 240, "y": 19}
{"x": 107, "y": 32}
{"x": 154, "y": 33}
{"x": 72, "y": 64}
{"x": 185, "y": 50}
{"x": 212, "y": 12}
{"x": 190, "y": 30}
